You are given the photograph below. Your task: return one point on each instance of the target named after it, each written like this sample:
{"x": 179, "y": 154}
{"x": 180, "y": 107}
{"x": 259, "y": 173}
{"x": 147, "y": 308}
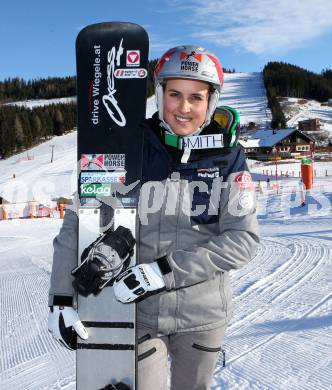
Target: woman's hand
{"x": 64, "y": 324}
{"x": 136, "y": 281}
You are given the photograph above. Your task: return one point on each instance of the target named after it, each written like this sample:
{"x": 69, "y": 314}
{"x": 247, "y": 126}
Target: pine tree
{"x": 19, "y": 133}
{"x": 58, "y": 122}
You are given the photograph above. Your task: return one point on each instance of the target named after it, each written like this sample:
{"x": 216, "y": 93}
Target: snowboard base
{"x": 112, "y": 70}
{"x": 110, "y": 347}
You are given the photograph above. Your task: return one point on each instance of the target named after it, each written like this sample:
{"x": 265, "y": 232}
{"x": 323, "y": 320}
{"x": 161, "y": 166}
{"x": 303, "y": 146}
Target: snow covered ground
{"x": 300, "y": 109}
{"x": 280, "y": 336}
{"x": 246, "y": 93}
{"x": 42, "y": 102}
{"x": 35, "y": 176}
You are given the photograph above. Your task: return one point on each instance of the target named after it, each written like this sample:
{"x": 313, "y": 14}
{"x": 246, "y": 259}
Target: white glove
{"x": 137, "y": 281}
{"x": 64, "y": 324}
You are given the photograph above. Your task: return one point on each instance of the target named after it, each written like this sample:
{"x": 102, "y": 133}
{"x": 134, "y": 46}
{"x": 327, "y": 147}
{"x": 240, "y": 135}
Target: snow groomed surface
{"x": 280, "y": 333}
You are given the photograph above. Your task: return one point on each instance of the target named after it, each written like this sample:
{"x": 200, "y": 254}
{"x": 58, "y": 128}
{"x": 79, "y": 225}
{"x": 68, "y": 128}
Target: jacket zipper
{"x": 205, "y": 349}
{"x": 179, "y": 210}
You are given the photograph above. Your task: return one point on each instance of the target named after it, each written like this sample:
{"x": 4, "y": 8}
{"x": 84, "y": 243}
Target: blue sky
{"x": 38, "y": 37}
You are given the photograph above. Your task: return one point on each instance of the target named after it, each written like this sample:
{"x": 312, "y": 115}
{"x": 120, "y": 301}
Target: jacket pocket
{"x": 200, "y": 304}
{"x": 206, "y": 349}
{"x": 226, "y": 294}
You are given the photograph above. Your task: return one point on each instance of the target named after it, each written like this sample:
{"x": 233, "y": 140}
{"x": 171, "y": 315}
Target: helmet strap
{"x": 213, "y": 102}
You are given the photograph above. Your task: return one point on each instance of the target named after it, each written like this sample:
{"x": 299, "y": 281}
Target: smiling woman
{"x": 199, "y": 75}
{"x": 185, "y": 314}
{"x": 197, "y": 223}
{"x": 185, "y": 105}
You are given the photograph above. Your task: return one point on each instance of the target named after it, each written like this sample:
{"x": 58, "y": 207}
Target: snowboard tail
{"x": 112, "y": 62}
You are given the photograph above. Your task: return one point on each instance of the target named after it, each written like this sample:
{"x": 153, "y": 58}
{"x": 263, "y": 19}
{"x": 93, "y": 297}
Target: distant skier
{"x": 302, "y": 192}
{"x": 260, "y": 186}
{"x": 268, "y": 186}
{"x": 185, "y": 253}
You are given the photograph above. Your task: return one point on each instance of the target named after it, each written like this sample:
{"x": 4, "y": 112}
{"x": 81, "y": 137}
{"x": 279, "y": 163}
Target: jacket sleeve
{"x": 236, "y": 242}
{"x": 64, "y": 258}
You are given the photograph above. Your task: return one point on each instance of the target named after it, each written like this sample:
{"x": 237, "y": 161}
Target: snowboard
{"x": 112, "y": 63}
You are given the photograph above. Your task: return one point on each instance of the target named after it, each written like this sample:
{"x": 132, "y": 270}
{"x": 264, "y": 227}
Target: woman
{"x": 205, "y": 226}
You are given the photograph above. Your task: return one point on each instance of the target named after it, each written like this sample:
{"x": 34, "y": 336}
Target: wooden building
{"x": 272, "y": 144}
{"x": 309, "y": 125}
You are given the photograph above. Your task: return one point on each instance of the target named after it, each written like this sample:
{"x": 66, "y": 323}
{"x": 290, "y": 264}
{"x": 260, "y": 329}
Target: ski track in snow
{"x": 30, "y": 359}
{"x": 279, "y": 336}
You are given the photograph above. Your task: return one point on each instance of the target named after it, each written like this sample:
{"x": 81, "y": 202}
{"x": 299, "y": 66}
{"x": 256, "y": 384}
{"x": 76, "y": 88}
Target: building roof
{"x": 267, "y": 138}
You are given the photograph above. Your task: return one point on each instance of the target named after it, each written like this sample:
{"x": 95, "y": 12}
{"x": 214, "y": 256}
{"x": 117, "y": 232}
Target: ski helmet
{"x": 193, "y": 63}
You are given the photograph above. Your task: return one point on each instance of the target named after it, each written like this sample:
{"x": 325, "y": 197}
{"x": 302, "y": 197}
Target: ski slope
{"x": 280, "y": 335}
{"x": 246, "y": 93}
{"x": 297, "y": 110}
{"x": 36, "y": 178}
{"x": 42, "y": 102}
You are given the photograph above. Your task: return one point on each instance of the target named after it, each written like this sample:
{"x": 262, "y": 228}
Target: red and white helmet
{"x": 189, "y": 62}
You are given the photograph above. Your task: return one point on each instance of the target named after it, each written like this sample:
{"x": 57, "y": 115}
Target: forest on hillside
{"x": 282, "y": 79}
{"x": 18, "y": 89}
{"x": 21, "y": 128}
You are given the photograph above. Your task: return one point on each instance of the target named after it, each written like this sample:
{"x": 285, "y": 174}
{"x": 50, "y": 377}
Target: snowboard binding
{"x": 103, "y": 260}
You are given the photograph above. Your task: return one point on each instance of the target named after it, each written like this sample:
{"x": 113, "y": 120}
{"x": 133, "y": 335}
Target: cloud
{"x": 259, "y": 26}
{"x": 159, "y": 45}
